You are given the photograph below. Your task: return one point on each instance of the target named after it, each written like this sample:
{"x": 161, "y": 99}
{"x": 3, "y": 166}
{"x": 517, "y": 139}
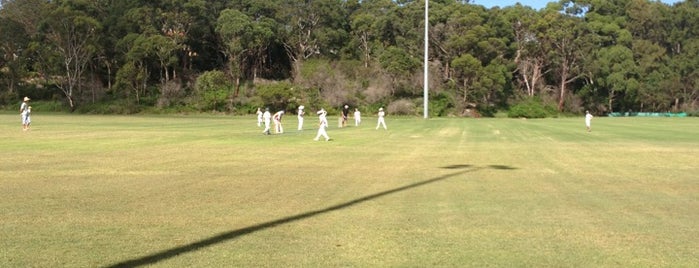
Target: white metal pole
{"x": 425, "y": 67}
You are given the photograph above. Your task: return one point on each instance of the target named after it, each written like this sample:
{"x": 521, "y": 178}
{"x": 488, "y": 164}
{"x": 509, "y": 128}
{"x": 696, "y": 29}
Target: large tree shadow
{"x": 223, "y": 237}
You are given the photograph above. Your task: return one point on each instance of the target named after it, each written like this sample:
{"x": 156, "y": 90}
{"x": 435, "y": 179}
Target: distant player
{"x": 277, "y": 117}
{"x": 357, "y": 117}
{"x": 345, "y": 115}
{"x": 300, "y": 115}
{"x": 323, "y": 124}
{"x": 267, "y": 116}
{"x": 259, "y": 117}
{"x": 382, "y": 121}
{"x": 588, "y": 121}
{"x": 25, "y": 112}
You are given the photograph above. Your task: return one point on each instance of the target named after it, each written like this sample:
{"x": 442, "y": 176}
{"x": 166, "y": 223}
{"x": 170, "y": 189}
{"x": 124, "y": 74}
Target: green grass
{"x": 212, "y": 191}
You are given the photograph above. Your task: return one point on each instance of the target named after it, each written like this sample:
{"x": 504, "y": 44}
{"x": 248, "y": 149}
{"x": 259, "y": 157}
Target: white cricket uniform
{"x": 259, "y": 118}
{"x": 357, "y": 118}
{"x": 25, "y": 113}
{"x": 381, "y": 122}
{"x": 322, "y": 126}
{"x": 300, "y": 117}
{"x": 267, "y": 117}
{"x": 277, "y": 117}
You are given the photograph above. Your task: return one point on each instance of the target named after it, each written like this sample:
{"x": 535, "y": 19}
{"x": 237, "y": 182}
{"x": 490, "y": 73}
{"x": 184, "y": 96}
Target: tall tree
{"x": 530, "y": 58}
{"x": 71, "y": 33}
{"x": 313, "y": 28}
{"x": 563, "y": 34}
{"x": 13, "y": 42}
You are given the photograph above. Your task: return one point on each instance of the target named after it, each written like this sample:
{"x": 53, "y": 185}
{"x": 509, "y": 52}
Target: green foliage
{"x": 398, "y": 62}
{"x": 49, "y": 106}
{"x": 212, "y": 89}
{"x": 611, "y": 55}
{"x": 441, "y": 104}
{"x": 120, "y": 106}
{"x": 277, "y": 96}
{"x": 532, "y": 108}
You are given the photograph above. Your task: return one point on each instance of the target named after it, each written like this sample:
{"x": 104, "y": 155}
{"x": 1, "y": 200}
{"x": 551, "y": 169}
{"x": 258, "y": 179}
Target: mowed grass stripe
{"x": 87, "y": 191}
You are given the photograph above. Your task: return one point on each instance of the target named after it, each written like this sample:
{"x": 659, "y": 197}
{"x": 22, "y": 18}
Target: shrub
{"x": 212, "y": 89}
{"x": 531, "y": 108}
{"x": 276, "y": 96}
{"x": 401, "y": 107}
{"x": 442, "y": 104}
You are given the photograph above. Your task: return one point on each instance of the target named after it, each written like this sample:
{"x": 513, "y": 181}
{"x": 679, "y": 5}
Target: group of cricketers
{"x": 266, "y": 118}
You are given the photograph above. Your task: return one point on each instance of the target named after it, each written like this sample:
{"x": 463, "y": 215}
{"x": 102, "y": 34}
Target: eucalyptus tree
{"x": 13, "y": 43}
{"x": 530, "y": 58}
{"x": 246, "y": 42}
{"x": 368, "y": 23}
{"x": 20, "y": 21}
{"x": 466, "y": 43}
{"x": 399, "y": 64}
{"x": 70, "y": 34}
{"x": 133, "y": 76}
{"x": 611, "y": 69}
{"x": 562, "y": 33}
{"x": 686, "y": 66}
{"x": 312, "y": 28}
{"x": 27, "y": 13}
{"x": 683, "y": 40}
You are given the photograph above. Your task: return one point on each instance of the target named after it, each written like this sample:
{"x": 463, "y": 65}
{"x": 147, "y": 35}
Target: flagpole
{"x": 425, "y": 67}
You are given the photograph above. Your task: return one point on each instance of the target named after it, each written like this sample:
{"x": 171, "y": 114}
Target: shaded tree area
{"x": 130, "y": 56}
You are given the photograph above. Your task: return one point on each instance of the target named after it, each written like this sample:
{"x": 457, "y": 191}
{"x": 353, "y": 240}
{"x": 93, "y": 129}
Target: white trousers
{"x": 381, "y": 123}
{"x": 278, "y": 126}
{"x": 266, "y": 127}
{"x": 321, "y": 132}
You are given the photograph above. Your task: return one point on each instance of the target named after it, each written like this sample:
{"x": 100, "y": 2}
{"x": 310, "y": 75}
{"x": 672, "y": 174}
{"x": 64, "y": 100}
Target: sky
{"x": 536, "y": 4}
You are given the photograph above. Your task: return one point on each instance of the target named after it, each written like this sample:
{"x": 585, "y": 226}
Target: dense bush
{"x": 442, "y": 104}
{"x": 532, "y": 108}
{"x": 401, "y": 107}
{"x": 277, "y": 96}
{"x": 212, "y": 90}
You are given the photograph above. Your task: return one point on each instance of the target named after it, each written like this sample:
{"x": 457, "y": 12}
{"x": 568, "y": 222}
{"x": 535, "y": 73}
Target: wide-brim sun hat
{"x": 301, "y": 107}
{"x": 26, "y": 98}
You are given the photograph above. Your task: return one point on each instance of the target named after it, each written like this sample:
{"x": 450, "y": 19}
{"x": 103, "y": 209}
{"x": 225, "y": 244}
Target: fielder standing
{"x": 381, "y": 122}
{"x": 267, "y": 117}
{"x": 322, "y": 125}
{"x": 588, "y": 121}
{"x": 25, "y": 111}
{"x": 300, "y": 115}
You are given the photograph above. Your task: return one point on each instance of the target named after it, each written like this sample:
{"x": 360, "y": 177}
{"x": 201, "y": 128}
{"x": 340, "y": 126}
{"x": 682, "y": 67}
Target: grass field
{"x": 212, "y": 191}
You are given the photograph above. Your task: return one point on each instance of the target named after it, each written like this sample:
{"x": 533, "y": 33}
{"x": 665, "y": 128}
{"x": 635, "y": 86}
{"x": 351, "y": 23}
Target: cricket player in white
{"x": 25, "y": 112}
{"x": 259, "y": 117}
{"x": 277, "y": 117}
{"x": 267, "y": 117}
{"x": 381, "y": 122}
{"x": 323, "y": 124}
{"x": 357, "y": 117}
{"x": 588, "y": 121}
{"x": 300, "y": 117}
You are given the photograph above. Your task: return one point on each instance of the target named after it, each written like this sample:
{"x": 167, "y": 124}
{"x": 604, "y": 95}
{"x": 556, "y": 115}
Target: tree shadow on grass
{"x": 223, "y": 237}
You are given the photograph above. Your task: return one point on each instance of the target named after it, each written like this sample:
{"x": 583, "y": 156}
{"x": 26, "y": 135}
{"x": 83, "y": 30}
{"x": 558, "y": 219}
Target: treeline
{"x": 128, "y": 56}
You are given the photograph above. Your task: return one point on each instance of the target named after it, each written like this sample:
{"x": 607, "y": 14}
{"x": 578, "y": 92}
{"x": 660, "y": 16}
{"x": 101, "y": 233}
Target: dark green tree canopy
{"x": 574, "y": 55}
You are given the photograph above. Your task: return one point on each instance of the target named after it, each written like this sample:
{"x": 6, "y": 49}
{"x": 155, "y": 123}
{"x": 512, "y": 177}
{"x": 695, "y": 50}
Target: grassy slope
{"x": 85, "y": 191}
